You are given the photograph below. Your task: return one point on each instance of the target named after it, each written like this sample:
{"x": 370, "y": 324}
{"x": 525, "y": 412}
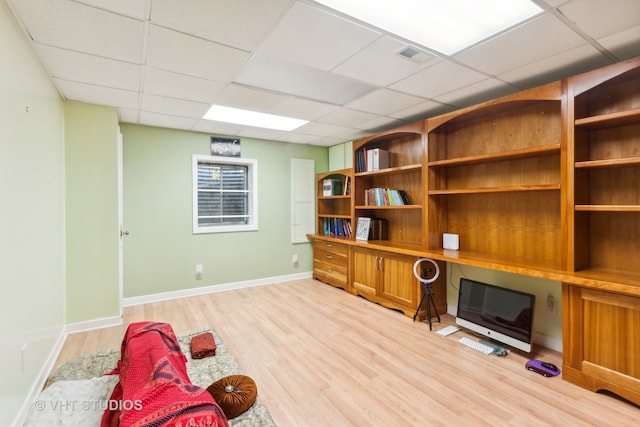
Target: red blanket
{"x": 154, "y": 388}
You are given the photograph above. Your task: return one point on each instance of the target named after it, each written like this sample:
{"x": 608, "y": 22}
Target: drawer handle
{"x": 329, "y": 257}
{"x": 329, "y": 245}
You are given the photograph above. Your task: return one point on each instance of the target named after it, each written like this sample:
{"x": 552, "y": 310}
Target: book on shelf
{"x": 372, "y": 159}
{"x": 377, "y": 159}
{"x": 386, "y": 197}
{"x": 361, "y": 163}
{"x": 331, "y": 187}
{"x": 337, "y": 227}
{"x": 378, "y": 229}
{"x": 347, "y": 186}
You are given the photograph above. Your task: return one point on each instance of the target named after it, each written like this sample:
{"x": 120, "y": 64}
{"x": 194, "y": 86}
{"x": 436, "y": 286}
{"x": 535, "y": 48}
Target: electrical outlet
{"x": 294, "y": 259}
{"x": 198, "y": 271}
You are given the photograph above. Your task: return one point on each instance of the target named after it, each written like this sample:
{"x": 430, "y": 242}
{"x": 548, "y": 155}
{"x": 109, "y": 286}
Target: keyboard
{"x": 476, "y": 345}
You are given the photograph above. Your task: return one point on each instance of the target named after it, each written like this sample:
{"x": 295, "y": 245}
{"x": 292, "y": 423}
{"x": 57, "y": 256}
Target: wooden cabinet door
{"x": 397, "y": 283}
{"x": 601, "y": 348}
{"x": 365, "y": 272}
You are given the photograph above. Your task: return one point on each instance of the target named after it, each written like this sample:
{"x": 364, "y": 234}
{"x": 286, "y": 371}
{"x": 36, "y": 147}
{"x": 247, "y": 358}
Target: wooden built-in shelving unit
{"x": 545, "y": 183}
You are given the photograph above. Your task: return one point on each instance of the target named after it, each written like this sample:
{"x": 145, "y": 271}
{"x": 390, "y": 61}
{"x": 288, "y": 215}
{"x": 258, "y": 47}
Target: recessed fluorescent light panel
{"x": 447, "y": 26}
{"x": 219, "y": 113}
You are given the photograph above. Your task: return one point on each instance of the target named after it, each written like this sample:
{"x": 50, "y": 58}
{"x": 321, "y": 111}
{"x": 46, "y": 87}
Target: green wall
{"x": 161, "y": 253}
{"x": 91, "y": 212}
{"x": 32, "y": 247}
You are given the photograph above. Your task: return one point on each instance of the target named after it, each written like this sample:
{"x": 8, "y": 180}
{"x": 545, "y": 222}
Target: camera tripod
{"x": 427, "y": 291}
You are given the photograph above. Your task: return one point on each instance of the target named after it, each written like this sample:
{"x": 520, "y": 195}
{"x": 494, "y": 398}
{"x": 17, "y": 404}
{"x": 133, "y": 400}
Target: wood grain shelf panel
{"x": 389, "y": 207}
{"x": 601, "y": 121}
{"x": 544, "y": 187}
{"x": 607, "y": 208}
{"x": 394, "y": 170}
{"x": 495, "y": 157}
{"x": 626, "y": 161}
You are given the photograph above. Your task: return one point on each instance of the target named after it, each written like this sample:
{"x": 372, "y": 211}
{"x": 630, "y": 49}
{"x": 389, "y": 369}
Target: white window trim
{"x": 252, "y": 225}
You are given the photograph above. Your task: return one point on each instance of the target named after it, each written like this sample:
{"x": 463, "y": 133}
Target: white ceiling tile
{"x": 347, "y": 117}
{"x": 173, "y": 106}
{"x": 381, "y": 123}
{"x": 303, "y": 108}
{"x": 298, "y": 138}
{"x": 477, "y": 92}
{"x": 299, "y": 80}
{"x": 600, "y": 18}
{"x": 327, "y": 141}
{"x": 380, "y": 63}
{"x": 78, "y": 27}
{"x": 84, "y": 68}
{"x": 166, "y": 83}
{"x": 98, "y": 95}
{"x": 384, "y": 101}
{"x": 316, "y": 128}
{"x": 420, "y": 111}
{"x": 438, "y": 79}
{"x": 180, "y": 53}
{"x": 166, "y": 120}
{"x": 218, "y": 128}
{"x": 541, "y": 37}
{"x": 556, "y": 3}
{"x": 623, "y": 45}
{"x": 316, "y": 38}
{"x": 238, "y": 96}
{"x": 238, "y": 23}
{"x": 135, "y": 8}
{"x": 260, "y": 133}
{"x": 555, "y": 67}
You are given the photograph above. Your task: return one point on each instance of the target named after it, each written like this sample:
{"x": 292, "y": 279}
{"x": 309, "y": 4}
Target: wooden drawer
{"x": 331, "y": 258}
{"x": 335, "y": 248}
{"x": 331, "y": 263}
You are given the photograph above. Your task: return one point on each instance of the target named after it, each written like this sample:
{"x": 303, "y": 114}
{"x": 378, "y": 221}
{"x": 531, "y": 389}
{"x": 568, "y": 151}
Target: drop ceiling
{"x": 164, "y": 62}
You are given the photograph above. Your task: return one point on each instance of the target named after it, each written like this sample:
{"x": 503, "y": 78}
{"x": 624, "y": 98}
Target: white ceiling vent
{"x": 415, "y": 54}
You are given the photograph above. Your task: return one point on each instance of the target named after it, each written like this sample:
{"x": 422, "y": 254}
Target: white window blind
{"x": 225, "y": 194}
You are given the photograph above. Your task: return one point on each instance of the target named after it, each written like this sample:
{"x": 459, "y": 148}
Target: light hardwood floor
{"x": 322, "y": 357}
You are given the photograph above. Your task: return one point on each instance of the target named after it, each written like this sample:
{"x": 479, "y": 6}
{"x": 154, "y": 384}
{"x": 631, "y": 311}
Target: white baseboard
{"x": 38, "y": 384}
{"x": 90, "y": 325}
{"x": 164, "y": 296}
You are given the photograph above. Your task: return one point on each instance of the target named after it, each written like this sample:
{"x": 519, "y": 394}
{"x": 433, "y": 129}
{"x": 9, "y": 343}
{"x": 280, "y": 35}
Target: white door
{"x": 123, "y": 233}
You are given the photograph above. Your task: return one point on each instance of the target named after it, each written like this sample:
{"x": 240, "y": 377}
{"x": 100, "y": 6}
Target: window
{"x": 225, "y": 194}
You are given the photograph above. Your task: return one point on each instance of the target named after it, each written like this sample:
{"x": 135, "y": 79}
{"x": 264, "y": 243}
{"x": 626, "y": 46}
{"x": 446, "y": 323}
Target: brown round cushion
{"x": 235, "y": 394}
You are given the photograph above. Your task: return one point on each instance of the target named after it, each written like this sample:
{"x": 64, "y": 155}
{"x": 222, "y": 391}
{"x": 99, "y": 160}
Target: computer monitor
{"x": 501, "y": 314}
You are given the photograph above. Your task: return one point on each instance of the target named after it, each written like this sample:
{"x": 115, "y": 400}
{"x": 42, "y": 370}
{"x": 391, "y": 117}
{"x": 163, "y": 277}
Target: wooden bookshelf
{"x": 495, "y": 177}
{"x": 544, "y": 183}
{"x": 600, "y": 332}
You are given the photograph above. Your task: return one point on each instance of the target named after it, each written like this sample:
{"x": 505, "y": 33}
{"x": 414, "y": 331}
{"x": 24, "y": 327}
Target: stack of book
{"x": 386, "y": 197}
{"x": 373, "y": 159}
{"x": 337, "y": 227}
